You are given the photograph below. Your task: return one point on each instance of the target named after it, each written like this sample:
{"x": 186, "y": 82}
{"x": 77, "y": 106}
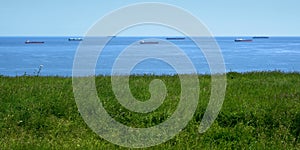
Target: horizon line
{"x": 148, "y": 36}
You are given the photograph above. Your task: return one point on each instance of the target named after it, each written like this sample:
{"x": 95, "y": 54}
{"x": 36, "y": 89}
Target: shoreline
{"x": 158, "y": 75}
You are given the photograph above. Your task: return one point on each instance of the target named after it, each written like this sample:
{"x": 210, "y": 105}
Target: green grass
{"x": 261, "y": 111}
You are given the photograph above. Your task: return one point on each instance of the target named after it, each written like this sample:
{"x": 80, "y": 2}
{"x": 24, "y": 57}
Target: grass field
{"x": 261, "y": 111}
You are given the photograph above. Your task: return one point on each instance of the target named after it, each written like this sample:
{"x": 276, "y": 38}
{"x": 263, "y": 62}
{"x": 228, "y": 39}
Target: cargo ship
{"x": 260, "y": 37}
{"x": 243, "y": 40}
{"x": 148, "y": 42}
{"x": 34, "y": 42}
{"x": 175, "y": 38}
{"x": 75, "y": 39}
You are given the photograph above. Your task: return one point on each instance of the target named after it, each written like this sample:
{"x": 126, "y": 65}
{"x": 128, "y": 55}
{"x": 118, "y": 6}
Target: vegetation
{"x": 261, "y": 111}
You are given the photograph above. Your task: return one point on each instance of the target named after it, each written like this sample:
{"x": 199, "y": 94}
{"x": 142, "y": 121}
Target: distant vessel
{"x": 75, "y": 39}
{"x": 243, "y": 40}
{"x": 148, "y": 42}
{"x": 34, "y": 42}
{"x": 175, "y": 38}
{"x": 260, "y": 37}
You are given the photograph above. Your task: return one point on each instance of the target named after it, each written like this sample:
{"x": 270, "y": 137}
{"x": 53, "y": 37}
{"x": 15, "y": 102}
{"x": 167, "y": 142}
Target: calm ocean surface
{"x": 57, "y": 54}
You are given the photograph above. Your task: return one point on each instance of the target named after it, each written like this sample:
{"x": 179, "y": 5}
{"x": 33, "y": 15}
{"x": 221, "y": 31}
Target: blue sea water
{"x": 57, "y": 55}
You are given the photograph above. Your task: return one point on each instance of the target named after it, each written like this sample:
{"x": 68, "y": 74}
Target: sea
{"x": 55, "y": 57}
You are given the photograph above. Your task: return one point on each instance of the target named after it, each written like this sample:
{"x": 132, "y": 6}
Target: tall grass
{"x": 261, "y": 111}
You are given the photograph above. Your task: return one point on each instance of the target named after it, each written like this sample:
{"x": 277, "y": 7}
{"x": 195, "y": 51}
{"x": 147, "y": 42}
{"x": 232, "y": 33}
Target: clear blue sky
{"x": 222, "y": 17}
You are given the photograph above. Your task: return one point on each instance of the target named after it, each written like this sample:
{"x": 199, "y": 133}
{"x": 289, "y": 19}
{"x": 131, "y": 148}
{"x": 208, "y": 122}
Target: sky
{"x": 221, "y": 17}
